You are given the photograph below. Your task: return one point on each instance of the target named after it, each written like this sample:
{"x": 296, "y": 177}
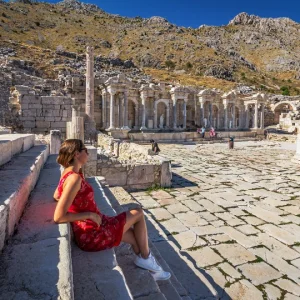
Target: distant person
{"x": 203, "y": 132}
{"x": 155, "y": 147}
{"x": 212, "y": 132}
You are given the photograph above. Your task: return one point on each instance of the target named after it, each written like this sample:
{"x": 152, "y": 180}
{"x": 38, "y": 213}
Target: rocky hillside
{"x": 250, "y": 50}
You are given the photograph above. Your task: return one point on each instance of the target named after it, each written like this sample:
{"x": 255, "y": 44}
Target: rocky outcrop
{"x": 246, "y": 19}
{"x": 77, "y": 5}
{"x": 220, "y": 72}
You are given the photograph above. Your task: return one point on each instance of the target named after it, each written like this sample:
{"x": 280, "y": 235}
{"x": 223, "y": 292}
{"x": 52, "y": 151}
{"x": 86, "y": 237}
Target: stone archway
{"x": 161, "y": 115}
{"x": 133, "y": 114}
{"x": 190, "y": 114}
{"x": 282, "y": 108}
{"x": 237, "y": 117}
{"x": 162, "y": 108}
{"x": 215, "y": 116}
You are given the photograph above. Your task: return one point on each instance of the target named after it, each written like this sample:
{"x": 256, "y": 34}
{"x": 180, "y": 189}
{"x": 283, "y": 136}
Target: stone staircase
{"x": 40, "y": 259}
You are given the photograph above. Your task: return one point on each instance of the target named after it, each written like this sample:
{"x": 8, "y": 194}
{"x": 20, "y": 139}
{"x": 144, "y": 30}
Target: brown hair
{"x": 67, "y": 151}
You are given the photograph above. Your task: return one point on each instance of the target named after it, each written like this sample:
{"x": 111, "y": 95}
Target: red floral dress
{"x": 88, "y": 236}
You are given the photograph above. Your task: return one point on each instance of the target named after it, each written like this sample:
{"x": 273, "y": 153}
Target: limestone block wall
{"x": 40, "y": 114}
{"x": 128, "y": 175}
{"x": 131, "y": 166}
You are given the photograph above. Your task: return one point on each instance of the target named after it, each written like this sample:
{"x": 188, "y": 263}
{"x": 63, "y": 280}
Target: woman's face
{"x": 82, "y": 156}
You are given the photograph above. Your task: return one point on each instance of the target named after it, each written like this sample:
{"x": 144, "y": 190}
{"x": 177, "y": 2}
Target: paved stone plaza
{"x": 235, "y": 214}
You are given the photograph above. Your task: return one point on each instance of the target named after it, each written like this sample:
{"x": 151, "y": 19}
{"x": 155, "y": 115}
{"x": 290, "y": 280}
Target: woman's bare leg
{"x": 136, "y": 219}
{"x": 129, "y": 238}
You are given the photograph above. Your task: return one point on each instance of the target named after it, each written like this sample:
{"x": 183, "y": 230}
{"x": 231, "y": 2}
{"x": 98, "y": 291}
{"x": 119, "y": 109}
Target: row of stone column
{"x": 122, "y": 106}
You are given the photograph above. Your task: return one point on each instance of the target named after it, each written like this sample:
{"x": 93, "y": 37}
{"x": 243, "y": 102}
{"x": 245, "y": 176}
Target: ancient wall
{"x": 40, "y": 114}
{"x": 131, "y": 166}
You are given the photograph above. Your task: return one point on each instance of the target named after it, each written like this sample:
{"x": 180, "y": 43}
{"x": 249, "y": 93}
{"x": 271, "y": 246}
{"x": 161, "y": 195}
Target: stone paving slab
{"x": 259, "y": 273}
{"x": 244, "y": 206}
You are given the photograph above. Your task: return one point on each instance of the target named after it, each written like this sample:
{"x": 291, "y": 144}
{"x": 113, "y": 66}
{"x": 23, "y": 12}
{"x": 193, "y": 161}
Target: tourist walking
{"x": 93, "y": 230}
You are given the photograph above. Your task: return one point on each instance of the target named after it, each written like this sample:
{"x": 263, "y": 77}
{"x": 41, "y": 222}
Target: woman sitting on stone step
{"x": 94, "y": 231}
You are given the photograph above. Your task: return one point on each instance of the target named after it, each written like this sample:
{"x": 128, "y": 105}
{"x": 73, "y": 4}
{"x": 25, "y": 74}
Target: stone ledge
{"x": 37, "y": 263}
{"x": 97, "y": 274}
{"x": 18, "y": 178}
{"x": 13, "y": 144}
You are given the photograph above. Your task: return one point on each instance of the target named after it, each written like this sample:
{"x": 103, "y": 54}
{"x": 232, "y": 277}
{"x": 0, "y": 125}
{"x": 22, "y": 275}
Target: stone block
{"x": 141, "y": 175}
{"x": 42, "y": 124}
{"x": 3, "y": 224}
{"x": 5, "y": 150}
{"x": 205, "y": 257}
{"x": 55, "y": 141}
{"x": 259, "y": 273}
{"x": 48, "y": 272}
{"x": 166, "y": 174}
{"x": 114, "y": 176}
{"x": 235, "y": 253}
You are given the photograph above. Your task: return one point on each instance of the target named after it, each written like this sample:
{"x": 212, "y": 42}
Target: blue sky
{"x": 194, "y": 13}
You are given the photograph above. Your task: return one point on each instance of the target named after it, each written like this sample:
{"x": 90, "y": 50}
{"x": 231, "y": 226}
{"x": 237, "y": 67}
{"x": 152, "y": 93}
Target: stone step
{"x": 140, "y": 281}
{"x": 13, "y": 144}
{"x": 187, "y": 279}
{"x": 97, "y": 275}
{"x": 36, "y": 264}
{"x": 18, "y": 178}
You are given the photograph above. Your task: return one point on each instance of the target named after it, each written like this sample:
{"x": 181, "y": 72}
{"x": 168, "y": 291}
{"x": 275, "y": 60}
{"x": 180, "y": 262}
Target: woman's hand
{"x": 95, "y": 218}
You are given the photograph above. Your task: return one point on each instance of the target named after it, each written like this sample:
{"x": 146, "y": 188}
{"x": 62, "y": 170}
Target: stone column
{"x": 242, "y": 117}
{"x": 201, "y": 114}
{"x": 184, "y": 114}
{"x": 125, "y": 119}
{"x": 103, "y": 109}
{"x": 55, "y": 141}
{"x": 210, "y": 114}
{"x": 136, "y": 117}
{"x": 120, "y": 110}
{"x": 218, "y": 119}
{"x": 247, "y": 116}
{"x": 168, "y": 116}
{"x": 296, "y": 158}
{"x": 144, "y": 97}
{"x": 225, "y": 116}
{"x": 262, "y": 117}
{"x": 89, "y": 104}
{"x": 174, "y": 113}
{"x": 256, "y": 116}
{"x": 111, "y": 113}
{"x": 233, "y": 116}
{"x": 155, "y": 115}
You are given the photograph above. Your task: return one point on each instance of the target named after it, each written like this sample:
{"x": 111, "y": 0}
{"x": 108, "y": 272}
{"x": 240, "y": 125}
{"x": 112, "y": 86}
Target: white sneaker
{"x": 162, "y": 275}
{"x": 148, "y": 263}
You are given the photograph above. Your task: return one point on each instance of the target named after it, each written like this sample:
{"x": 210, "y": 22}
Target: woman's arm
{"x": 55, "y": 196}
{"x": 71, "y": 187}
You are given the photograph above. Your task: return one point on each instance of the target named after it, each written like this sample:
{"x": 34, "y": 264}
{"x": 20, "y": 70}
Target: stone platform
{"x": 189, "y": 136}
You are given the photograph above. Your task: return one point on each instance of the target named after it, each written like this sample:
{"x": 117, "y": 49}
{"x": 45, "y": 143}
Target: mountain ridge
{"x": 251, "y": 50}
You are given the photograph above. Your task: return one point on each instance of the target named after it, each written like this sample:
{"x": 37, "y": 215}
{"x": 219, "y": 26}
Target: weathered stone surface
{"x": 273, "y": 293}
{"x": 173, "y": 225}
{"x": 205, "y": 257}
{"x": 243, "y": 289}
{"x": 259, "y": 273}
{"x": 229, "y": 270}
{"x": 190, "y": 219}
{"x": 280, "y": 234}
{"x": 176, "y": 208}
{"x": 186, "y": 239}
{"x": 235, "y": 253}
{"x": 160, "y": 214}
{"x": 278, "y": 263}
{"x": 289, "y": 286}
